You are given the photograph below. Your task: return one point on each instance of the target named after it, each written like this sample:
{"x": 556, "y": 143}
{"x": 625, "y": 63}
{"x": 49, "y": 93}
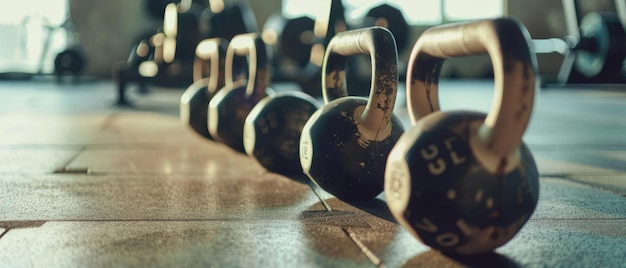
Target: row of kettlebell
{"x": 461, "y": 182}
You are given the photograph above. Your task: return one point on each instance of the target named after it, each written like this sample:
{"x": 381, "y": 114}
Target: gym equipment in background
{"x": 68, "y": 64}
{"x": 225, "y": 19}
{"x": 299, "y": 43}
{"x": 165, "y": 58}
{"x": 595, "y": 48}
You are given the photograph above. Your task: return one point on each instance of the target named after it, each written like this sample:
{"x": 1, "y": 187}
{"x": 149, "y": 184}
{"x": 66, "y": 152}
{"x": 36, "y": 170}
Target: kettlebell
{"x": 345, "y": 143}
{"x": 463, "y": 182}
{"x": 273, "y": 128}
{"x": 208, "y": 73}
{"x": 231, "y": 105}
{"x": 204, "y": 63}
{"x": 70, "y": 61}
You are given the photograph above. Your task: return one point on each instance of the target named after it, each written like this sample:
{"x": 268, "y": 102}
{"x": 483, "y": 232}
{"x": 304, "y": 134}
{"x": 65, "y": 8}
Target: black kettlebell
{"x": 231, "y": 105}
{"x": 70, "y": 61}
{"x": 208, "y": 73}
{"x": 272, "y": 130}
{"x": 344, "y": 145}
{"x": 464, "y": 182}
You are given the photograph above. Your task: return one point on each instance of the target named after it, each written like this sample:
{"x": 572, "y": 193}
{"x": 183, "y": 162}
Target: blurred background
{"x": 33, "y": 32}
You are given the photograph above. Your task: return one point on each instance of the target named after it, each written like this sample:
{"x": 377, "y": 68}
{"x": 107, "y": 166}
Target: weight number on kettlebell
{"x": 438, "y": 166}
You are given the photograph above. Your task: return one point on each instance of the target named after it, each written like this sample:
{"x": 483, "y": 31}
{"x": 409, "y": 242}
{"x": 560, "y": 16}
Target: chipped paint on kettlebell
{"x": 458, "y": 206}
{"x": 348, "y": 152}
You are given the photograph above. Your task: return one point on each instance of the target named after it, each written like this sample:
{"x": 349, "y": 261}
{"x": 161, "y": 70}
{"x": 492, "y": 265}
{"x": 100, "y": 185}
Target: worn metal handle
{"x": 249, "y": 45}
{"x": 380, "y": 44}
{"x": 514, "y": 64}
{"x": 210, "y": 54}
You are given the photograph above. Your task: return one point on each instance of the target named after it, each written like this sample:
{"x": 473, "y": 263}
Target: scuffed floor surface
{"x": 87, "y": 184}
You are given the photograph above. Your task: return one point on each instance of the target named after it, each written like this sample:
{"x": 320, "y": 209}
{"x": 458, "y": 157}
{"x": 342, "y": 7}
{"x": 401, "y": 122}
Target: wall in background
{"x": 108, "y": 30}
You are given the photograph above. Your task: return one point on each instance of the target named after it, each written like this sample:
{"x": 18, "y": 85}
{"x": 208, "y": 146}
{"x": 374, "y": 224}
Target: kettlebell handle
{"x": 507, "y": 43}
{"x": 209, "y": 52}
{"x": 258, "y": 55}
{"x": 380, "y": 44}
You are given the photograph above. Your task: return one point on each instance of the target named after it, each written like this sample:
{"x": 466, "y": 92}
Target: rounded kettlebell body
{"x": 228, "y": 111}
{"x": 464, "y": 182}
{"x": 273, "y": 127}
{"x": 457, "y": 201}
{"x": 194, "y": 106}
{"x": 344, "y": 156}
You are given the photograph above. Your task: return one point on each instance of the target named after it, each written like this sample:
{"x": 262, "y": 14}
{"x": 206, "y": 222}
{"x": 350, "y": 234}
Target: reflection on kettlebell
{"x": 464, "y": 182}
{"x": 345, "y": 143}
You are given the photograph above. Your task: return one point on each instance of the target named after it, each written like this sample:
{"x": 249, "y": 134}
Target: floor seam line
{"x": 108, "y": 122}
{"x": 375, "y": 260}
{"x": 65, "y": 166}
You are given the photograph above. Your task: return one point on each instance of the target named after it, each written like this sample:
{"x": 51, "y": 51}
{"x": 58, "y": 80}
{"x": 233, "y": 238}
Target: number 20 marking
{"x": 446, "y": 239}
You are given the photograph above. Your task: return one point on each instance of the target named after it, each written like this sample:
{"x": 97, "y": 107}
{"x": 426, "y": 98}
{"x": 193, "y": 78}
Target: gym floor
{"x": 86, "y": 184}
